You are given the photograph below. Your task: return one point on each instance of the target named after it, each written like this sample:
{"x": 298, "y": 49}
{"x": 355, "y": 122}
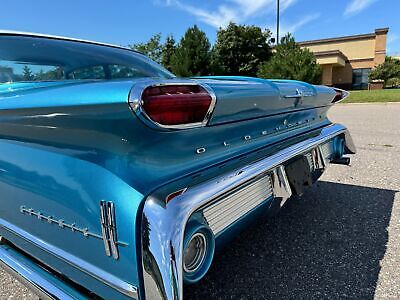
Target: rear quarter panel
{"x": 61, "y": 157}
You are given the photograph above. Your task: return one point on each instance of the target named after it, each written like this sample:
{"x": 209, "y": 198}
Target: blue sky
{"x": 125, "y": 22}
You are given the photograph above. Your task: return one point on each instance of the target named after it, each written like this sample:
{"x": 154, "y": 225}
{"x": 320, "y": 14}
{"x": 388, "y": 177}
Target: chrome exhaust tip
{"x": 198, "y": 250}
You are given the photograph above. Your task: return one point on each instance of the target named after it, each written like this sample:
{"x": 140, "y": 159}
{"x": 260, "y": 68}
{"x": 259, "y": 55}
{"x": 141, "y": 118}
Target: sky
{"x": 125, "y": 22}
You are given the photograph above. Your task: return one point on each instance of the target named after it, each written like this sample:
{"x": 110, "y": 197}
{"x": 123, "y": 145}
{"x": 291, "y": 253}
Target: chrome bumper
{"x": 163, "y": 225}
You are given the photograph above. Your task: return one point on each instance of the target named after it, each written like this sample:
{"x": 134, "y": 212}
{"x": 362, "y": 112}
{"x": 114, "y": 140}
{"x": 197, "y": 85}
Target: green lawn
{"x": 392, "y": 95}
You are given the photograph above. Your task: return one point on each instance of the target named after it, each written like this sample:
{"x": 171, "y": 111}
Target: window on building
{"x": 360, "y": 78}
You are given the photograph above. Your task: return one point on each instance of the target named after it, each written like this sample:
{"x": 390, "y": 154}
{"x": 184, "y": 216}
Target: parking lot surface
{"x": 341, "y": 239}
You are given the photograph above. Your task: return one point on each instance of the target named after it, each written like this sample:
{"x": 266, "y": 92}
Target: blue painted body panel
{"x": 66, "y": 146}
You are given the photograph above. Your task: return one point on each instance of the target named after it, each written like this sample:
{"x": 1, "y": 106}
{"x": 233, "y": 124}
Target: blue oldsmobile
{"x": 119, "y": 180}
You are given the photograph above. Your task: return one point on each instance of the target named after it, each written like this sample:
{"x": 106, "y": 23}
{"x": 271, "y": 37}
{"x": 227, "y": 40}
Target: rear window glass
{"x": 31, "y": 59}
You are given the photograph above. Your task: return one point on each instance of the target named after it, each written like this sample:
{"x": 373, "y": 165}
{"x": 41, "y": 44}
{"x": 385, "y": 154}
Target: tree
{"x": 291, "y": 62}
{"x": 152, "y": 48}
{"x": 168, "y": 51}
{"x": 27, "y": 74}
{"x": 192, "y": 56}
{"x": 240, "y": 49}
{"x": 388, "y": 71}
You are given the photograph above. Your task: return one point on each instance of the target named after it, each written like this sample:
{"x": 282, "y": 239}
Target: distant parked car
{"x": 119, "y": 180}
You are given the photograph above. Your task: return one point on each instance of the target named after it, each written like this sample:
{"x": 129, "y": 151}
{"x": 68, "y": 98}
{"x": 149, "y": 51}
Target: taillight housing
{"x": 340, "y": 95}
{"x": 177, "y": 105}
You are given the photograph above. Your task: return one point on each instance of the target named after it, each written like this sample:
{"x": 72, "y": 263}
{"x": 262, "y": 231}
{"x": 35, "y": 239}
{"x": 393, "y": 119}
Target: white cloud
{"x": 232, "y": 10}
{"x": 292, "y": 27}
{"x": 356, "y": 6}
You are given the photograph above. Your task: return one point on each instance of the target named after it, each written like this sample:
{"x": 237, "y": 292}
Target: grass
{"x": 392, "y": 95}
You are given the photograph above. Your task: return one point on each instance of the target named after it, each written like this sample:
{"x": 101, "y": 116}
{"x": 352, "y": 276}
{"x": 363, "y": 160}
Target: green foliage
{"x": 192, "y": 56}
{"x": 291, "y": 62}
{"x": 388, "y": 70}
{"x": 168, "y": 51}
{"x": 55, "y": 74}
{"x": 152, "y": 48}
{"x": 27, "y": 74}
{"x": 240, "y": 49}
{"x": 395, "y": 81}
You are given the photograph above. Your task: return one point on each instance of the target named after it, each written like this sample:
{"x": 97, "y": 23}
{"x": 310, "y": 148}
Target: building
{"x": 346, "y": 61}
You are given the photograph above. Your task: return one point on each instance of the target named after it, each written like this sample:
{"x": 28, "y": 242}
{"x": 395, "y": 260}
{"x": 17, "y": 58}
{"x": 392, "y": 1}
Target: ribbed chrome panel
{"x": 327, "y": 150}
{"x": 229, "y": 209}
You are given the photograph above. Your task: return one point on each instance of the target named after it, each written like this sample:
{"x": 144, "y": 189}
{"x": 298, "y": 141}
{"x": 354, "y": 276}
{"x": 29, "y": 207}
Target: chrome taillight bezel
{"x": 344, "y": 95}
{"x": 136, "y": 103}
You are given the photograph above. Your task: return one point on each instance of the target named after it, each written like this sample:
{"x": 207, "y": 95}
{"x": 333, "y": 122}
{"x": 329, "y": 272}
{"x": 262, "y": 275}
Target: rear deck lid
{"x": 243, "y": 98}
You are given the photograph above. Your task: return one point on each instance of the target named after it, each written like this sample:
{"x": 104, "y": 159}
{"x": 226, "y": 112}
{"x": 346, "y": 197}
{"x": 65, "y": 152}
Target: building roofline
{"x": 56, "y": 37}
{"x": 331, "y": 53}
{"x": 345, "y": 38}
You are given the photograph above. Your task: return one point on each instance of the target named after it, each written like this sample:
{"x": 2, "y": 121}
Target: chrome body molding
{"x": 82, "y": 265}
{"x": 136, "y": 102}
{"x": 109, "y": 228}
{"x": 72, "y": 226}
{"x": 300, "y": 94}
{"x": 163, "y": 225}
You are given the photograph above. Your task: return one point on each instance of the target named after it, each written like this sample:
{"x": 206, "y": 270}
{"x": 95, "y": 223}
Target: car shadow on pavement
{"x": 326, "y": 244}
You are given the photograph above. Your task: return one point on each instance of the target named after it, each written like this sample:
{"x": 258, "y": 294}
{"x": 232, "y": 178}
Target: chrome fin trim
{"x": 109, "y": 228}
{"x": 104, "y": 231}
{"x": 112, "y": 229}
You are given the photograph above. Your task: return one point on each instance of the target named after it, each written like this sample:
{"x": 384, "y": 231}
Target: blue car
{"x": 119, "y": 180}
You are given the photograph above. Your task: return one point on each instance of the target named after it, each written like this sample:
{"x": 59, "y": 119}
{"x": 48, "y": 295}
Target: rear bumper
{"x": 163, "y": 225}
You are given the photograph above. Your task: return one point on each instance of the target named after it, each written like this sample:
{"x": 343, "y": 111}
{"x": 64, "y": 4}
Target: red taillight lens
{"x": 176, "y": 104}
{"x": 174, "y": 195}
{"x": 340, "y": 95}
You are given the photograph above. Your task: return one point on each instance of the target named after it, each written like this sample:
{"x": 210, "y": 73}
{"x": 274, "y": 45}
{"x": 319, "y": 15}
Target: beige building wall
{"x": 339, "y": 57}
{"x": 380, "y": 46}
{"x": 360, "y": 49}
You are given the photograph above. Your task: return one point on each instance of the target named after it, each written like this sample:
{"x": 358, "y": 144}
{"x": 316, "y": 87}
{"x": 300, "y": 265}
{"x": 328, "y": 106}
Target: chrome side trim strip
{"x": 163, "y": 225}
{"x": 80, "y": 264}
{"x": 39, "y": 284}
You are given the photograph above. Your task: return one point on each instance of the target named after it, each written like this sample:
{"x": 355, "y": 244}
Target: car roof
{"x": 56, "y": 37}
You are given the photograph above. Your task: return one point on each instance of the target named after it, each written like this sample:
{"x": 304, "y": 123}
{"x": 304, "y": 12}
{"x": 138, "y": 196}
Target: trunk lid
{"x": 243, "y": 98}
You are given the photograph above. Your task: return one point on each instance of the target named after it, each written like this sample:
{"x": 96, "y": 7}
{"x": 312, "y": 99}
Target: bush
{"x": 291, "y": 62}
{"x": 240, "y": 49}
{"x": 389, "y": 70}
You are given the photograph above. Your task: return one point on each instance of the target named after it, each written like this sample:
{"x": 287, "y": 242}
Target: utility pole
{"x": 277, "y": 22}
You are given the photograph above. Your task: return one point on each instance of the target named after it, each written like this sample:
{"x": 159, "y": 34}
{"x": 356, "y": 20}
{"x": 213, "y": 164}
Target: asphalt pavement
{"x": 341, "y": 239}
